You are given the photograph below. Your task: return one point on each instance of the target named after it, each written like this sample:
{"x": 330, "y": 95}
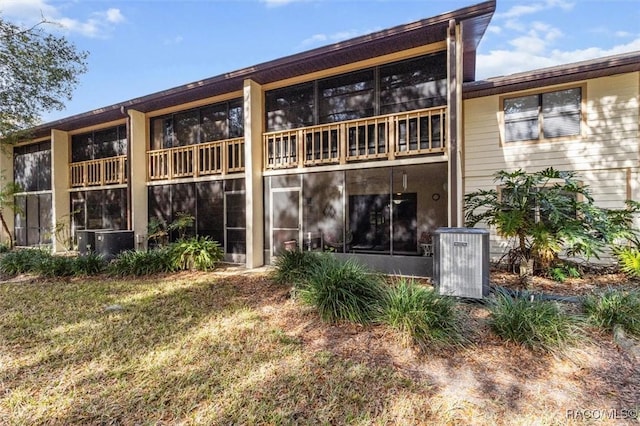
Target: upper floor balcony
{"x": 384, "y": 137}
{"x": 203, "y": 159}
{"x": 100, "y": 172}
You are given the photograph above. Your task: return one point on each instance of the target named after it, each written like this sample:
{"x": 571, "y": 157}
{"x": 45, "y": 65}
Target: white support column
{"x": 253, "y": 118}
{"x": 137, "y": 183}
{"x": 454, "y": 127}
{"x": 60, "y": 200}
{"x": 6, "y": 176}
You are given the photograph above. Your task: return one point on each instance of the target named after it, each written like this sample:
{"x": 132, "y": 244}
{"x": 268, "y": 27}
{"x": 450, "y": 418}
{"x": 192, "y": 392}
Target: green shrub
{"x": 139, "y": 263}
{"x": 535, "y": 324}
{"x": 614, "y": 307}
{"x": 200, "y": 253}
{"x": 291, "y": 267}
{"x": 55, "y": 266}
{"x": 343, "y": 291}
{"x": 421, "y": 315}
{"x": 90, "y": 264}
{"x": 562, "y": 272}
{"x": 4, "y": 248}
{"x": 629, "y": 259}
{"x": 22, "y": 261}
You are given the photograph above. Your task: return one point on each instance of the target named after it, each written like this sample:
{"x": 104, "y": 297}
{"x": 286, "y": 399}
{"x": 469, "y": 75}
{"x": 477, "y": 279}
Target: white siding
{"x": 606, "y": 157}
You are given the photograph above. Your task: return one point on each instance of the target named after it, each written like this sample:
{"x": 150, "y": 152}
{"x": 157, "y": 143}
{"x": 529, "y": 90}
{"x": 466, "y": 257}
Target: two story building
{"x": 362, "y": 148}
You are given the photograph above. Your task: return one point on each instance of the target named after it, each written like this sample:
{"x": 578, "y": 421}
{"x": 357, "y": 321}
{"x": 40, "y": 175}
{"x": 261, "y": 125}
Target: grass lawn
{"x": 234, "y": 348}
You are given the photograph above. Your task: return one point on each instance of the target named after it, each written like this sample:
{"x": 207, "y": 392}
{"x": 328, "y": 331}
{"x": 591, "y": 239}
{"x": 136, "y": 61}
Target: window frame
{"x": 541, "y": 137}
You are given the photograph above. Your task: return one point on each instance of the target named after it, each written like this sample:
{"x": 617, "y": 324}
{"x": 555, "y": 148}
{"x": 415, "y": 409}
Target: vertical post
{"x": 137, "y": 183}
{"x": 6, "y": 173}
{"x": 60, "y": 198}
{"x": 253, "y": 118}
{"x": 454, "y": 124}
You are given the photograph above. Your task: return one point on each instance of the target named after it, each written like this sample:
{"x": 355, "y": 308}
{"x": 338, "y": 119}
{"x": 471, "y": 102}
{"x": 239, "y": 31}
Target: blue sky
{"x": 138, "y": 47}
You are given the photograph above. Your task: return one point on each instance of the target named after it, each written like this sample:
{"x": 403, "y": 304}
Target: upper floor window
{"x": 206, "y": 124}
{"x": 32, "y": 167}
{"x": 105, "y": 143}
{"x": 543, "y": 116}
{"x": 400, "y": 86}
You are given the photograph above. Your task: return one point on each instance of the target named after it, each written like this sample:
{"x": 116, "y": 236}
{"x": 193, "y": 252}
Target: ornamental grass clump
{"x": 23, "y": 261}
{"x": 197, "y": 253}
{"x": 343, "y": 291}
{"x": 614, "y": 307}
{"x": 535, "y": 324}
{"x": 292, "y": 266}
{"x": 420, "y": 315}
{"x": 138, "y": 263}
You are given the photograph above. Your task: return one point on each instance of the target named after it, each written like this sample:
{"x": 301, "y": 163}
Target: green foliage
{"x": 563, "y": 271}
{"x": 181, "y": 224}
{"x": 547, "y": 212}
{"x": 629, "y": 260}
{"x": 8, "y": 190}
{"x": 39, "y": 72}
{"x": 199, "y": 253}
{"x": 23, "y": 261}
{"x": 138, "y": 263}
{"x": 55, "y": 266}
{"x": 535, "y": 324}
{"x": 292, "y": 266}
{"x": 614, "y": 307}
{"x": 343, "y": 291}
{"x": 421, "y": 315}
{"x": 157, "y": 232}
{"x": 90, "y": 264}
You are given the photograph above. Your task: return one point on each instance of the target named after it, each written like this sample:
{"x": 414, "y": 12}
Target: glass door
{"x": 286, "y": 207}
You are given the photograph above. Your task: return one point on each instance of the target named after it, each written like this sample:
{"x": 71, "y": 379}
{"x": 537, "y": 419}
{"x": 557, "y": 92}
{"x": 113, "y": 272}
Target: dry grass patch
{"x": 224, "y": 348}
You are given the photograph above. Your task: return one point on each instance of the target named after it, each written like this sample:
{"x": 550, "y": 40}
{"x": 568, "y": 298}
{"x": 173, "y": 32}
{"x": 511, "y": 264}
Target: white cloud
{"x": 505, "y": 62}
{"x": 523, "y": 10}
{"x": 28, "y": 12}
{"x": 276, "y": 3}
{"x": 173, "y": 41}
{"x": 318, "y": 39}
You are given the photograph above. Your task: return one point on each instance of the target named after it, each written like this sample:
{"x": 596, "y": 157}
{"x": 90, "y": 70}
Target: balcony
{"x": 392, "y": 136}
{"x": 210, "y": 158}
{"x": 101, "y": 172}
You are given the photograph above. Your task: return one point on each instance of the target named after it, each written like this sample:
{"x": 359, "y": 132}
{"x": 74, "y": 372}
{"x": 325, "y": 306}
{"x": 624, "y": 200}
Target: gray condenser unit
{"x": 110, "y": 243}
{"x": 461, "y": 262}
{"x": 87, "y": 240}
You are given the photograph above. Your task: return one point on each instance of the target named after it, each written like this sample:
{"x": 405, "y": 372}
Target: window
{"x": 111, "y": 142}
{"x": 33, "y": 219}
{"x": 32, "y": 167}
{"x": 407, "y": 85}
{"x": 207, "y": 124}
{"x": 543, "y": 116}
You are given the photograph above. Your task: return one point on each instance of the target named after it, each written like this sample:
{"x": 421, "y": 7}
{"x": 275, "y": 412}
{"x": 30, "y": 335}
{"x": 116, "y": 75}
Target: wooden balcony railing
{"x": 210, "y": 158}
{"x": 411, "y": 133}
{"x": 104, "y": 171}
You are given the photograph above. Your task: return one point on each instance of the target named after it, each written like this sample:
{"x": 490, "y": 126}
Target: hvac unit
{"x": 87, "y": 240}
{"x": 110, "y": 243}
{"x": 461, "y": 262}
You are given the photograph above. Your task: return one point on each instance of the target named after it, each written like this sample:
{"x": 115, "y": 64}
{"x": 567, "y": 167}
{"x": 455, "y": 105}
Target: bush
{"x": 343, "y": 291}
{"x": 22, "y": 261}
{"x": 629, "y": 259}
{"x": 291, "y": 267}
{"x": 535, "y": 324}
{"x": 562, "y": 272}
{"x": 199, "y": 253}
{"x": 139, "y": 263}
{"x": 421, "y": 315}
{"x": 90, "y": 264}
{"x": 55, "y": 266}
{"x": 614, "y": 307}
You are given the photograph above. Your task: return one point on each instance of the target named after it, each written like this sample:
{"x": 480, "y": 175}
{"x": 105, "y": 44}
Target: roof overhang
{"x": 595, "y": 68}
{"x": 473, "y": 20}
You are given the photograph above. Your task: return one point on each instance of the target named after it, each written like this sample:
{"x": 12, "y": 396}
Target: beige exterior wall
{"x": 6, "y": 175}
{"x": 606, "y": 155}
{"x": 253, "y": 119}
{"x": 60, "y": 143}
{"x": 138, "y": 136}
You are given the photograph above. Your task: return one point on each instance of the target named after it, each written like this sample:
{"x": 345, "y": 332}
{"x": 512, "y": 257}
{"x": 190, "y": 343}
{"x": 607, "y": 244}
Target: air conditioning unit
{"x": 461, "y": 262}
{"x": 87, "y": 240}
{"x": 110, "y": 243}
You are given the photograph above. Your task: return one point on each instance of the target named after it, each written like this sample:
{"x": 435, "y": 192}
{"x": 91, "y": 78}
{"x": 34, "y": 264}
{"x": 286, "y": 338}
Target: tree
{"x": 7, "y": 202}
{"x": 38, "y": 72}
{"x": 547, "y": 212}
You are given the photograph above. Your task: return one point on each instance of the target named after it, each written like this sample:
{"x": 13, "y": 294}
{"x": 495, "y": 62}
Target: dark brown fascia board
{"x": 562, "y": 74}
{"x": 475, "y": 20}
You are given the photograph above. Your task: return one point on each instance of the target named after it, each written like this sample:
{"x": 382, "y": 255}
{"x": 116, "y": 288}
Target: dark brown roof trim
{"x": 474, "y": 19}
{"x": 562, "y": 74}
